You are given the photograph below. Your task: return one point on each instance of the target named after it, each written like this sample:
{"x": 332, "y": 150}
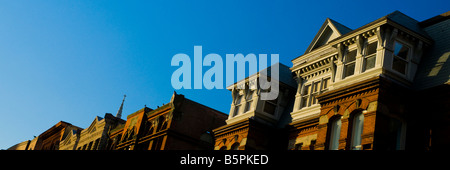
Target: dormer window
{"x": 400, "y": 63}
{"x": 249, "y": 100}
{"x": 305, "y": 96}
{"x": 311, "y": 90}
{"x": 325, "y": 84}
{"x": 237, "y": 105}
{"x": 370, "y": 56}
{"x": 270, "y": 106}
{"x": 350, "y": 60}
{"x": 315, "y": 92}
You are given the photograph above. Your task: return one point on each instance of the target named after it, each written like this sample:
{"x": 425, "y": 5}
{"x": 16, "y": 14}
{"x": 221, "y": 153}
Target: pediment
{"x": 94, "y": 124}
{"x": 329, "y": 31}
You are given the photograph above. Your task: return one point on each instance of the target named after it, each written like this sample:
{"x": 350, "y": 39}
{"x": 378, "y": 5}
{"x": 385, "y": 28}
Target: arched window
{"x": 335, "y": 132}
{"x": 235, "y": 146}
{"x": 357, "y": 129}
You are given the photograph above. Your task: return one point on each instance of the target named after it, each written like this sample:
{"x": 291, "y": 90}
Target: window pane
{"x": 358, "y": 124}
{"x": 306, "y": 90}
{"x": 269, "y": 108}
{"x": 399, "y": 65}
{"x": 335, "y": 134}
{"x": 304, "y": 101}
{"x": 249, "y": 94}
{"x": 400, "y": 50}
{"x": 369, "y": 62}
{"x": 351, "y": 56}
{"x": 238, "y": 100}
{"x": 371, "y": 48}
{"x": 316, "y": 87}
{"x": 349, "y": 69}
{"x": 247, "y": 106}
{"x": 236, "y": 110}
{"x": 313, "y": 99}
{"x": 325, "y": 83}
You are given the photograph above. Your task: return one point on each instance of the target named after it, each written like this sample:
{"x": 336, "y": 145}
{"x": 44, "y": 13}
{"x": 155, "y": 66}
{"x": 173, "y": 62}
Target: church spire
{"x": 119, "y": 112}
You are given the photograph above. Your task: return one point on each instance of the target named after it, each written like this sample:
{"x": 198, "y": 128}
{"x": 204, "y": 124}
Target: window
{"x": 325, "y": 84}
{"x": 370, "y": 57}
{"x": 349, "y": 67}
{"x": 235, "y": 146}
{"x": 298, "y": 146}
{"x": 249, "y": 100}
{"x": 313, "y": 143}
{"x": 396, "y": 135}
{"x": 400, "y": 63}
{"x": 314, "y": 93}
{"x": 357, "y": 129}
{"x": 270, "y": 106}
{"x": 310, "y": 91}
{"x": 335, "y": 133}
{"x": 305, "y": 95}
{"x": 237, "y": 104}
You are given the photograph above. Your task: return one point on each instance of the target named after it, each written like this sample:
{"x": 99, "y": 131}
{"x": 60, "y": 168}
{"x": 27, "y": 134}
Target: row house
{"x": 358, "y": 89}
{"x": 180, "y": 124}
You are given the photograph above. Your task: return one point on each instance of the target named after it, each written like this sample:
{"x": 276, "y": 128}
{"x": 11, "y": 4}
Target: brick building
{"x": 178, "y": 125}
{"x": 253, "y": 123}
{"x": 382, "y": 86}
{"x": 51, "y": 138}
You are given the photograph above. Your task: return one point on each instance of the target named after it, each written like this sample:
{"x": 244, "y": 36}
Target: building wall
{"x": 70, "y": 141}
{"x": 434, "y": 67}
{"x": 50, "y": 139}
{"x": 131, "y": 129}
{"x": 166, "y": 127}
{"x": 363, "y": 98}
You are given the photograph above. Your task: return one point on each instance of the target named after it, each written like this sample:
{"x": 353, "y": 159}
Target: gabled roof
{"x": 94, "y": 123}
{"x": 330, "y": 30}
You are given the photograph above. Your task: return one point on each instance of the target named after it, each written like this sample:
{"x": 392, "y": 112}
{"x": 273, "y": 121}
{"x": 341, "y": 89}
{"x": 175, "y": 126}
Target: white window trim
{"x": 364, "y": 69}
{"x": 408, "y": 58}
{"x": 355, "y": 130}
{"x": 237, "y": 112}
{"x": 305, "y": 95}
{"x": 344, "y": 63}
{"x": 249, "y": 101}
{"x": 275, "y": 114}
{"x": 335, "y": 133}
{"x": 309, "y": 96}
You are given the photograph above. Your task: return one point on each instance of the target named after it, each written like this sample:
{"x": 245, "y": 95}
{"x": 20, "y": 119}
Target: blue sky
{"x": 74, "y": 60}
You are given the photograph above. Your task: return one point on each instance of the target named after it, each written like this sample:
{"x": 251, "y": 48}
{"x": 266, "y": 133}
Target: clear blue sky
{"x": 74, "y": 60}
